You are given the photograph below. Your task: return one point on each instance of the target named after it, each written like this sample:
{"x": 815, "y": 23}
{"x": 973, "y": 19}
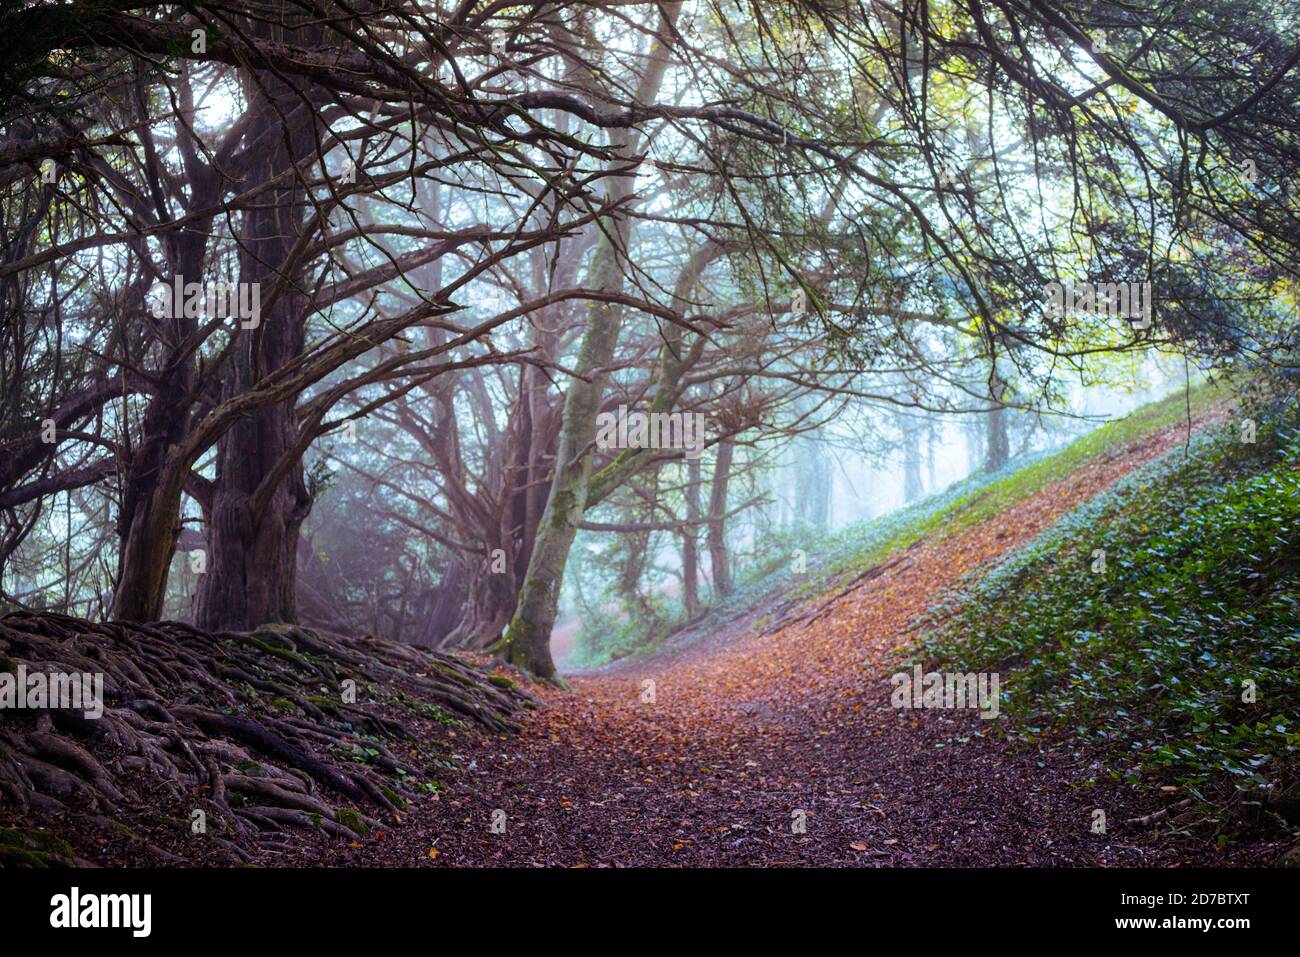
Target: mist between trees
{"x": 836, "y": 233}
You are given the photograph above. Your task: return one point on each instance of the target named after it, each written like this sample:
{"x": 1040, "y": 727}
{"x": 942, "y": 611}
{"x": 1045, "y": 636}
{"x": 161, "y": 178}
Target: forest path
{"x": 745, "y": 739}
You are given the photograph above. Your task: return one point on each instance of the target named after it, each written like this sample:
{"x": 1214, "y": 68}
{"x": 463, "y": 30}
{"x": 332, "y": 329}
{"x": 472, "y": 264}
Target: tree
{"x": 475, "y": 230}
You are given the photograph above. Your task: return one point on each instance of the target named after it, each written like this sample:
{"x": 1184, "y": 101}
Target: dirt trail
{"x": 747, "y": 738}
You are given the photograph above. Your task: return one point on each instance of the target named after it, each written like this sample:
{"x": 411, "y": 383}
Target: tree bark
{"x": 252, "y": 539}
{"x": 527, "y": 640}
{"x": 820, "y": 491}
{"x": 719, "y": 561}
{"x": 149, "y": 518}
{"x": 913, "y": 487}
{"x": 690, "y": 542}
{"x": 148, "y": 527}
{"x": 260, "y": 498}
{"x": 998, "y": 446}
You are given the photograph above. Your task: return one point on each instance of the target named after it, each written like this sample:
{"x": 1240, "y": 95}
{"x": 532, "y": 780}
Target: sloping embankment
{"x": 175, "y": 745}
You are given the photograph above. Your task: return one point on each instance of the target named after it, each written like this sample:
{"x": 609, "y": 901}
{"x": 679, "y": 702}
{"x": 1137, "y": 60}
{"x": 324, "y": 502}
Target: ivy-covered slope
{"x": 1160, "y": 621}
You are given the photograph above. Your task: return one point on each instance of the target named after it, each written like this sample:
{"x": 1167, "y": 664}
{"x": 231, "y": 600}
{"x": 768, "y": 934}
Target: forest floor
{"x": 748, "y": 734}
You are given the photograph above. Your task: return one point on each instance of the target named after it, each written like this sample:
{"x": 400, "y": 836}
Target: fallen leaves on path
{"x": 783, "y": 750}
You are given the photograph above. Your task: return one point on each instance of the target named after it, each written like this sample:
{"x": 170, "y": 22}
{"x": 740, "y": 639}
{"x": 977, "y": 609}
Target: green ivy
{"x": 1151, "y": 659}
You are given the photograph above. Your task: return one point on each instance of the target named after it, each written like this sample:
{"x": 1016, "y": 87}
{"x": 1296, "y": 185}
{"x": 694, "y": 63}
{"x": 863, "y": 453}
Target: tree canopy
{"x": 310, "y": 309}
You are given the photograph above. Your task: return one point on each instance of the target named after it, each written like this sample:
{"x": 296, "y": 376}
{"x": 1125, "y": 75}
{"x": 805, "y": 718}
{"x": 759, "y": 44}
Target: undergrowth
{"x": 1159, "y": 621}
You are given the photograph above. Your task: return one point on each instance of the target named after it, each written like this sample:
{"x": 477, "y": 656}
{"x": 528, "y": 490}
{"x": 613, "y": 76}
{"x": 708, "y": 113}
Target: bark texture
{"x": 527, "y": 641}
{"x": 260, "y": 498}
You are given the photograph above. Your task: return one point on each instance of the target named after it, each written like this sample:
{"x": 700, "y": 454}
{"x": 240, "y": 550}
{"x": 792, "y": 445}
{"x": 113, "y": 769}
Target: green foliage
{"x": 1149, "y": 658}
{"x": 600, "y": 640}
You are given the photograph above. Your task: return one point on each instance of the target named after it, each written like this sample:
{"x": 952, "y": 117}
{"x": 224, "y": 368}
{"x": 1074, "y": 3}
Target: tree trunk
{"x": 445, "y": 610}
{"x": 998, "y": 446}
{"x": 527, "y": 641}
{"x": 820, "y": 490}
{"x": 149, "y": 518}
{"x": 912, "y": 483}
{"x": 690, "y": 542}
{"x": 253, "y": 542}
{"x": 719, "y": 563}
{"x": 149, "y": 526}
{"x": 260, "y": 498}
{"x": 930, "y": 437}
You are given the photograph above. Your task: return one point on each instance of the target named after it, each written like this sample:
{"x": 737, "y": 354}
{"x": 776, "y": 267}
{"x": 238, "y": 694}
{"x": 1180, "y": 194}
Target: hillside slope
{"x": 769, "y": 595}
{"x": 1159, "y": 625}
{"x": 779, "y": 745}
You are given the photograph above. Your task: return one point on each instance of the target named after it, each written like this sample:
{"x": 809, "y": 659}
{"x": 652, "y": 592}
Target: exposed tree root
{"x": 1148, "y": 819}
{"x": 263, "y": 733}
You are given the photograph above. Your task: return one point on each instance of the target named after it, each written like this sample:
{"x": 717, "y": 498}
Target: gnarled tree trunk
{"x": 260, "y": 498}
{"x": 148, "y": 527}
{"x": 528, "y": 639}
{"x": 149, "y": 519}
